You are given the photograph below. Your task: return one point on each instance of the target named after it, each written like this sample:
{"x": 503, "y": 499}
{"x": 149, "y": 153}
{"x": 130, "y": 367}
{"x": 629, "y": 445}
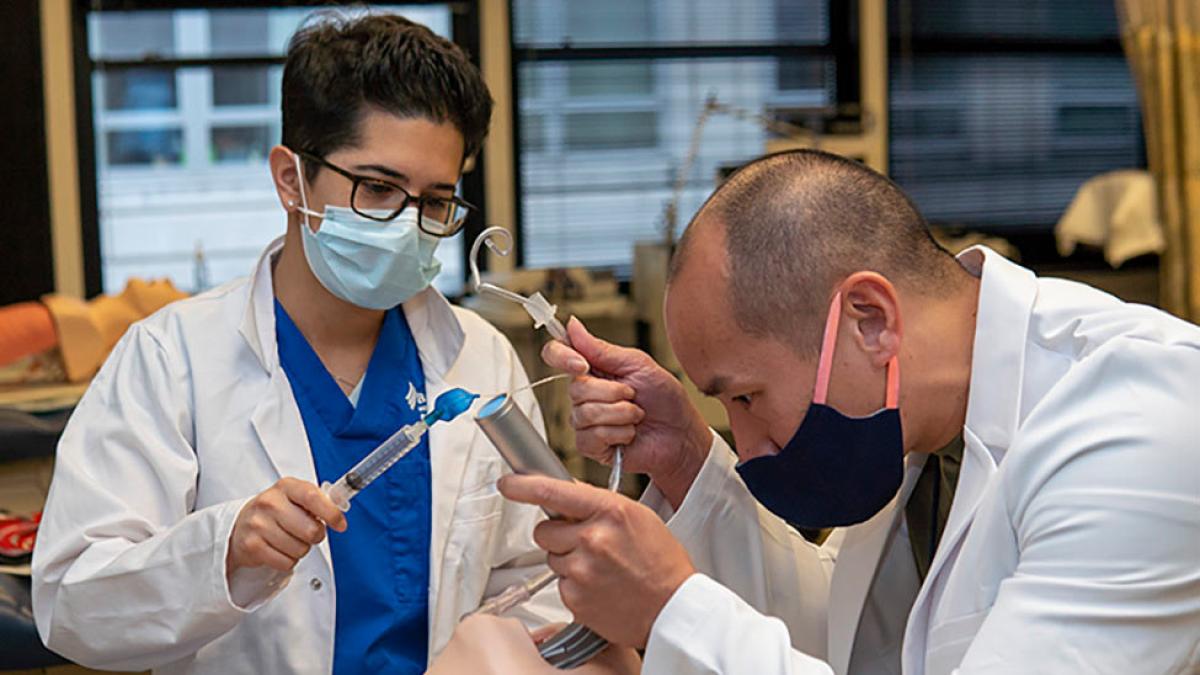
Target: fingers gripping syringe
{"x": 449, "y": 404}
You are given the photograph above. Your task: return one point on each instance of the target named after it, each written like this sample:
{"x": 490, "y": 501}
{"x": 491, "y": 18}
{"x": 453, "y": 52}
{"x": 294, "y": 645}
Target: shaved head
{"x": 797, "y": 223}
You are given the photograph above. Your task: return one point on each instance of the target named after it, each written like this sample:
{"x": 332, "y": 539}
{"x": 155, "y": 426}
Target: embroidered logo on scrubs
{"x": 416, "y": 400}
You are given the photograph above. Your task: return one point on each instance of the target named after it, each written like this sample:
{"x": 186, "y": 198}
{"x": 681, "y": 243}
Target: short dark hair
{"x": 340, "y": 64}
{"x": 797, "y": 223}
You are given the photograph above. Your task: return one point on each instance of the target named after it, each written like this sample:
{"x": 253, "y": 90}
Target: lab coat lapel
{"x": 1006, "y": 297}
{"x": 280, "y": 430}
{"x": 276, "y": 419}
{"x": 857, "y": 560}
{"x": 258, "y": 319}
{"x": 978, "y": 467}
{"x": 447, "y": 459}
{"x": 440, "y": 339}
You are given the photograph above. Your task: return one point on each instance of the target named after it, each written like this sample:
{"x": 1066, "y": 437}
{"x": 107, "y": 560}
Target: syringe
{"x": 246, "y": 581}
{"x": 516, "y": 595}
{"x": 449, "y": 404}
{"x": 373, "y": 465}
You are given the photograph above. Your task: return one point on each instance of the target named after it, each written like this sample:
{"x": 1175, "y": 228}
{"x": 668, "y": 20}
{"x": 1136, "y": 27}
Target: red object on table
{"x": 26, "y": 328}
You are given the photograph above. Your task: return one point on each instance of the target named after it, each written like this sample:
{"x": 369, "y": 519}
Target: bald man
{"x": 1011, "y": 463}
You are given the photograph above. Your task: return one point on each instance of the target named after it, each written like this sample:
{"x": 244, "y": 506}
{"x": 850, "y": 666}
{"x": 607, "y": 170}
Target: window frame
{"x": 843, "y": 49}
{"x": 465, "y": 32}
{"x": 1034, "y": 235}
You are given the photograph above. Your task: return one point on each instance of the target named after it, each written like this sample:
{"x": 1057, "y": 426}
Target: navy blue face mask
{"x": 836, "y": 470}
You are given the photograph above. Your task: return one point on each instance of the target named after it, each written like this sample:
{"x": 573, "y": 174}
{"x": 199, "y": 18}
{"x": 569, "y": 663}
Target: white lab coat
{"x": 190, "y": 417}
{"x": 1073, "y": 543}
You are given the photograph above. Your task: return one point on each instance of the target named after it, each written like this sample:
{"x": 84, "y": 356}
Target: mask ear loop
{"x": 828, "y": 342}
{"x": 825, "y": 361}
{"x": 304, "y": 210}
{"x": 892, "y": 402}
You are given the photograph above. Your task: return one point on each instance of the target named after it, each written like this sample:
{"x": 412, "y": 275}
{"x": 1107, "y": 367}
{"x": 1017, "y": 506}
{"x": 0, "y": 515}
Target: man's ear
{"x": 871, "y": 306}
{"x": 286, "y": 177}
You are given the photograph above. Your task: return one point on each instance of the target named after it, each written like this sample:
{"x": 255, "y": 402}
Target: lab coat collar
{"x": 1006, "y": 296}
{"x": 437, "y": 331}
{"x": 258, "y": 318}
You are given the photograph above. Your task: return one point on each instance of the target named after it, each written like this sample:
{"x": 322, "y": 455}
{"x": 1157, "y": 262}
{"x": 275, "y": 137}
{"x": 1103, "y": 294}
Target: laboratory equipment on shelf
{"x": 449, "y": 404}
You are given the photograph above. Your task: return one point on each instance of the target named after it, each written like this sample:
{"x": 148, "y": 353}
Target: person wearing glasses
{"x": 188, "y": 476}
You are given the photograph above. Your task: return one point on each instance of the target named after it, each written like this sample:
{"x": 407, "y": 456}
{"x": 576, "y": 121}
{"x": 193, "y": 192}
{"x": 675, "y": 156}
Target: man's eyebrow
{"x": 390, "y": 173}
{"x": 715, "y": 386}
{"x": 443, "y": 186}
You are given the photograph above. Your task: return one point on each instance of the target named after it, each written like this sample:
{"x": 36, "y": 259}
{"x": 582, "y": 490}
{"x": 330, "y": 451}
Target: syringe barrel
{"x": 382, "y": 457}
{"x": 518, "y": 441}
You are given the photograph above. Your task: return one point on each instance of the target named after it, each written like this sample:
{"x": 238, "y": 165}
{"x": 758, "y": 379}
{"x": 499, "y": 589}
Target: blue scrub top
{"x": 381, "y": 561}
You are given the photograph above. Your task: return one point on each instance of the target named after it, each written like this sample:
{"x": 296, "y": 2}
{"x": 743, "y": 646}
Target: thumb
{"x": 601, "y": 355}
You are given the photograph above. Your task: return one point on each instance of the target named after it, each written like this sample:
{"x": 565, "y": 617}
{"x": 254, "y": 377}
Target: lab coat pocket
{"x": 479, "y": 478}
{"x": 949, "y": 641}
{"x": 468, "y": 561}
{"x": 480, "y": 504}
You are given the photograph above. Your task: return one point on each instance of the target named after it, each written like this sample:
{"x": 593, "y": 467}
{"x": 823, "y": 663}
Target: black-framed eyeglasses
{"x": 382, "y": 201}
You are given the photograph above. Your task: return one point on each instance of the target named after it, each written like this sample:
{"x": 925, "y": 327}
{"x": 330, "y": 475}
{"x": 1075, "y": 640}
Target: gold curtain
{"x": 1162, "y": 42}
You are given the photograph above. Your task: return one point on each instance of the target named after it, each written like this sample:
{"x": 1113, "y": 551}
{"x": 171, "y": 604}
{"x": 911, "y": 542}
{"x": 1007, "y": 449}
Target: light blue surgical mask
{"x": 368, "y": 263}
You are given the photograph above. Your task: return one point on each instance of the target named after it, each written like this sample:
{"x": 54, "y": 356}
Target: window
{"x": 608, "y": 93}
{"x": 999, "y": 111}
{"x": 181, "y": 147}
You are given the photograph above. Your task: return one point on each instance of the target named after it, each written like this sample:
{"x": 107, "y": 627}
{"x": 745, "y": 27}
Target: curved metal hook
{"x": 489, "y": 237}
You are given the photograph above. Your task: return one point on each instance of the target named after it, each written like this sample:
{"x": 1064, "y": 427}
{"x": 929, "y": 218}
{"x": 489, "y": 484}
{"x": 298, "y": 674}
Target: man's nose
{"x": 750, "y": 438}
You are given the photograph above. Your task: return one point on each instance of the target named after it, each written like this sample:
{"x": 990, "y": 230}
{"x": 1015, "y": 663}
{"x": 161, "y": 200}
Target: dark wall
{"x": 26, "y": 262}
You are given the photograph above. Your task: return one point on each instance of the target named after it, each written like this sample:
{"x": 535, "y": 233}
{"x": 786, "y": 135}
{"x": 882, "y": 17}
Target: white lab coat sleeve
{"x": 1103, "y": 493}
{"x": 706, "y": 628}
{"x": 773, "y": 585}
{"x": 125, "y": 575}
{"x": 519, "y": 558}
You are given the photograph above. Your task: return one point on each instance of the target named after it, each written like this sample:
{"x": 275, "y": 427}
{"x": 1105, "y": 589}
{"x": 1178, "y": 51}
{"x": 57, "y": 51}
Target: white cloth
{"x": 1116, "y": 211}
{"x": 191, "y": 416}
{"x": 1073, "y": 544}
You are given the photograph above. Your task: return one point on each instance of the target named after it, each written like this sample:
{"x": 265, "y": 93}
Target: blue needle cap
{"x": 450, "y": 404}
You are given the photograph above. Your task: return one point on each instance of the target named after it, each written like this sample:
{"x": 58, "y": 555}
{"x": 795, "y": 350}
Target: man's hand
{"x": 277, "y": 528}
{"x": 618, "y": 563}
{"x": 633, "y": 403}
{"x": 489, "y": 645}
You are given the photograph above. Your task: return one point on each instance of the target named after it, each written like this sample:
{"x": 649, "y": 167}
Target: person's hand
{"x": 278, "y": 526}
{"x": 621, "y": 397}
{"x": 618, "y": 562}
{"x": 490, "y": 645}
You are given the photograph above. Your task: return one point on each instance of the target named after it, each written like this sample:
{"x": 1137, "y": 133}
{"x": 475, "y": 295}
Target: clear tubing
{"x": 517, "y": 594}
{"x": 375, "y": 464}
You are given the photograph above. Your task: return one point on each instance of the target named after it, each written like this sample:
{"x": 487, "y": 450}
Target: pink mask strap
{"x": 893, "y": 384}
{"x": 825, "y": 361}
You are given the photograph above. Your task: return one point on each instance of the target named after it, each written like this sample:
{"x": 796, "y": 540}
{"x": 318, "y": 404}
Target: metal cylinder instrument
{"x": 518, "y": 441}
{"x": 520, "y": 444}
